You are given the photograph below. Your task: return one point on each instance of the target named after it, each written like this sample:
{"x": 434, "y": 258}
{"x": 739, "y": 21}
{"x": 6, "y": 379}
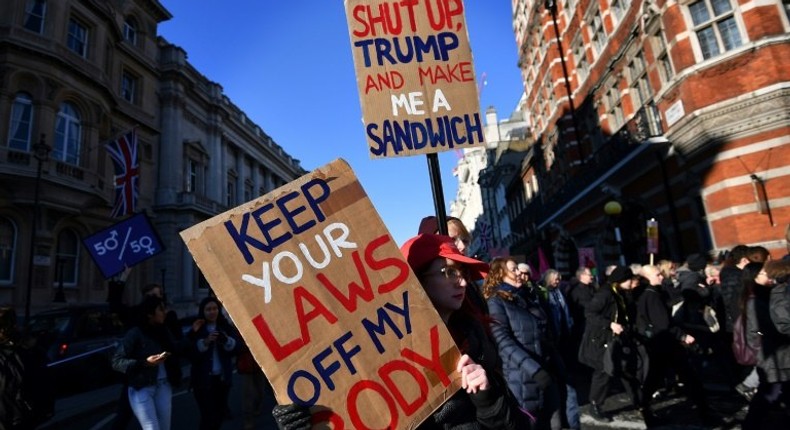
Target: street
{"x": 96, "y": 410}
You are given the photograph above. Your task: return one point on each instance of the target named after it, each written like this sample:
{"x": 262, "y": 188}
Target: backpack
{"x": 744, "y": 354}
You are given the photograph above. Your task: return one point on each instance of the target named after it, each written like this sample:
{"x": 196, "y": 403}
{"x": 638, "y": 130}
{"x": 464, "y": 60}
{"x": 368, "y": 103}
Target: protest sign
{"x": 327, "y": 303}
{"x": 415, "y": 76}
{"x": 123, "y": 244}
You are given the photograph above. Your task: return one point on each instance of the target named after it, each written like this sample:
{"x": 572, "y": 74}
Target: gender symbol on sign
{"x": 124, "y": 244}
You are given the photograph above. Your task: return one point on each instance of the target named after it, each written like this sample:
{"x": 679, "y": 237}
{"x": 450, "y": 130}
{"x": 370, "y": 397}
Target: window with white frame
{"x": 77, "y": 39}
{"x": 67, "y": 258}
{"x": 129, "y": 87}
{"x": 35, "y": 12}
{"x": 580, "y": 58}
{"x": 8, "y": 239}
{"x": 195, "y": 167}
{"x": 68, "y": 134}
{"x": 549, "y": 88}
{"x": 715, "y": 26}
{"x": 130, "y": 30}
{"x": 619, "y": 8}
{"x": 615, "y": 110}
{"x": 21, "y": 122}
{"x": 599, "y": 36}
{"x": 662, "y": 58}
{"x": 641, "y": 92}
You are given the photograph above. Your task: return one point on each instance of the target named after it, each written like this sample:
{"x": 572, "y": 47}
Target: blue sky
{"x": 289, "y": 66}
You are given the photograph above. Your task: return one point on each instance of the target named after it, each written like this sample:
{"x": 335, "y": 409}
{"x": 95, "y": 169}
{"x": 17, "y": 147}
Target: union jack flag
{"x": 123, "y": 151}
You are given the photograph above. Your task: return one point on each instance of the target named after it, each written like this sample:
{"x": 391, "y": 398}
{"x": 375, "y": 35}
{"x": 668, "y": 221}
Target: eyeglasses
{"x": 450, "y": 272}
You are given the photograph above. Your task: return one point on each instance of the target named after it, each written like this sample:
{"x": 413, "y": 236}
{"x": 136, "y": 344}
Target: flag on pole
{"x": 123, "y": 151}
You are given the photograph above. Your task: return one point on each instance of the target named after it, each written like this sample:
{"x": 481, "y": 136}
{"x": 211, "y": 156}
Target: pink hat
{"x": 422, "y": 249}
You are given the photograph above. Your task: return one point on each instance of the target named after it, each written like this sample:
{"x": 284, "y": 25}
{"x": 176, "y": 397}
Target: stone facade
{"x": 75, "y": 74}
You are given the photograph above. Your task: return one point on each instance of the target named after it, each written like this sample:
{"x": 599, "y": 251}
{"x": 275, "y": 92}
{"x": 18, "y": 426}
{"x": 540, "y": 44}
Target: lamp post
{"x": 613, "y": 208}
{"x": 41, "y": 154}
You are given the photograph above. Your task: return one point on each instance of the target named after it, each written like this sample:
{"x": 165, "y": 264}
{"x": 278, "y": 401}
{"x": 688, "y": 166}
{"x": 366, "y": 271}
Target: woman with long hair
{"x": 530, "y": 360}
{"x": 146, "y": 357}
{"x": 212, "y": 345}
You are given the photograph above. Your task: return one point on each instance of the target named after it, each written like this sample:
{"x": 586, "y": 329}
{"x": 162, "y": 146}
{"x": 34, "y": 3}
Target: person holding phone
{"x": 213, "y": 345}
{"x": 145, "y": 357}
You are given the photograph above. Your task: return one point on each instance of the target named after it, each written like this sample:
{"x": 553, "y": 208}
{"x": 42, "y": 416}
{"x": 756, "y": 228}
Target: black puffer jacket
{"x": 140, "y": 343}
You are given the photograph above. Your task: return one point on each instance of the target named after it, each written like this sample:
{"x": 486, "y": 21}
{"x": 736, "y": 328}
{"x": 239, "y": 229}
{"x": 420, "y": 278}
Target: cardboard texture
{"x": 328, "y": 305}
{"x": 415, "y": 75}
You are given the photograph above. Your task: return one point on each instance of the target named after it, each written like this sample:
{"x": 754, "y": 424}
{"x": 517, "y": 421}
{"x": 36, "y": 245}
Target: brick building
{"x": 677, "y": 110}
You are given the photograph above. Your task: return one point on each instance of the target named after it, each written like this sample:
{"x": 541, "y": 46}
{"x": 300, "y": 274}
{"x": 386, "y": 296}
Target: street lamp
{"x": 41, "y": 154}
{"x": 613, "y": 208}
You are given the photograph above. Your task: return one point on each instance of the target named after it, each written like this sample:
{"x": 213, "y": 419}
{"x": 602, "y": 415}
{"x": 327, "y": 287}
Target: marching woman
{"x": 521, "y": 328}
{"x": 482, "y": 403}
{"x": 213, "y": 346}
{"x": 146, "y": 357}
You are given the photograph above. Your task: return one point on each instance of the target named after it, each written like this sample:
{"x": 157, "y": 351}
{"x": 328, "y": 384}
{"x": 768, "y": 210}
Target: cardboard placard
{"x": 415, "y": 76}
{"x": 328, "y": 305}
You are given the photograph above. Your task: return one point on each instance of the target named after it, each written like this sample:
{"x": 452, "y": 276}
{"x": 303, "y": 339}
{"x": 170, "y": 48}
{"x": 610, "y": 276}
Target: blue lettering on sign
{"x": 385, "y": 319}
{"x": 449, "y": 131}
{"x": 266, "y": 218}
{"x": 407, "y": 49}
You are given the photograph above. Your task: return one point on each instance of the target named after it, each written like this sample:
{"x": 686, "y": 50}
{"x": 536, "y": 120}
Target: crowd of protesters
{"x": 530, "y": 342}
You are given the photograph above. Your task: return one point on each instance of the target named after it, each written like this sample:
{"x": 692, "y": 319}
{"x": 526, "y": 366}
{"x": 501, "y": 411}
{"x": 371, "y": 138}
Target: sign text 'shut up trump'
{"x": 415, "y": 76}
{"x": 327, "y": 303}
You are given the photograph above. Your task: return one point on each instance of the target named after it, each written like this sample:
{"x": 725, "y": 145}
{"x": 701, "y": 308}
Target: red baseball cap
{"x": 422, "y": 249}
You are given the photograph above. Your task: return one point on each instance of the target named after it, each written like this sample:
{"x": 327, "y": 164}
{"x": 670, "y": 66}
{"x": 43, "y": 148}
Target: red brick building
{"x": 678, "y": 110}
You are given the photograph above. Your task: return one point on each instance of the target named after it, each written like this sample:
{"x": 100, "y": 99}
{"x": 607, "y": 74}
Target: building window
{"x": 247, "y": 191}
{"x": 21, "y": 123}
{"x": 641, "y": 92}
{"x": 129, "y": 87}
{"x": 547, "y": 85}
{"x": 7, "y": 250}
{"x": 195, "y": 174}
{"x": 619, "y": 8}
{"x": 67, "y": 258}
{"x": 35, "y": 11}
{"x": 130, "y": 31}
{"x": 615, "y": 111}
{"x": 662, "y": 58}
{"x": 231, "y": 191}
{"x": 68, "y": 134}
{"x": 78, "y": 38}
{"x": 582, "y": 66}
{"x": 599, "y": 36}
{"x": 715, "y": 26}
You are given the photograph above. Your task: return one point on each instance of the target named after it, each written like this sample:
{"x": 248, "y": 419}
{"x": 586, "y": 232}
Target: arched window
{"x": 68, "y": 133}
{"x": 67, "y": 258}
{"x": 130, "y": 30}
{"x": 21, "y": 122}
{"x": 7, "y": 250}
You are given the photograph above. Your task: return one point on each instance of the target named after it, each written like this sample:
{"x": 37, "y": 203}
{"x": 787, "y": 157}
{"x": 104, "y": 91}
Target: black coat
{"x": 140, "y": 343}
{"x": 606, "y": 307}
{"x": 767, "y": 312}
{"x": 731, "y": 290}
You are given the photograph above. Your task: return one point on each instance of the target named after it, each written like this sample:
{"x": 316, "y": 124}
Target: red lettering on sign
{"x": 302, "y": 295}
{"x": 386, "y": 370}
{"x": 434, "y": 363}
{"x": 279, "y": 351}
{"x": 403, "y": 268}
{"x": 353, "y": 409}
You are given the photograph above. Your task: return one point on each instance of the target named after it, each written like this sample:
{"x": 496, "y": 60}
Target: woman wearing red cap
{"x": 483, "y": 403}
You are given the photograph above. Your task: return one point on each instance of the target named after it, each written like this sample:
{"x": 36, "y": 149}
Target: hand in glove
{"x": 543, "y": 379}
{"x": 292, "y": 417}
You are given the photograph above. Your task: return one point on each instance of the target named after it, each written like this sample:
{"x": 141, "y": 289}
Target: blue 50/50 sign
{"x": 124, "y": 244}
